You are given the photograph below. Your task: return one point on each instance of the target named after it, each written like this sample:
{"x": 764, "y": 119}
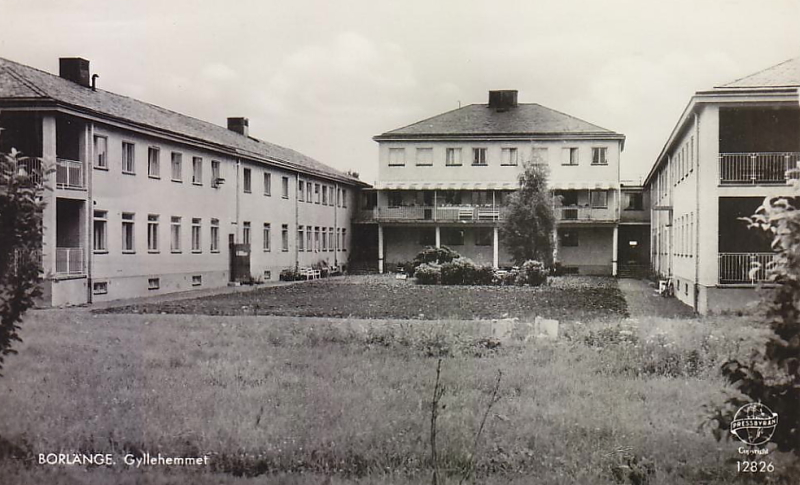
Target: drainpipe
{"x": 336, "y": 199}
{"x": 296, "y": 221}
{"x": 236, "y": 215}
{"x": 88, "y": 168}
{"x": 697, "y": 215}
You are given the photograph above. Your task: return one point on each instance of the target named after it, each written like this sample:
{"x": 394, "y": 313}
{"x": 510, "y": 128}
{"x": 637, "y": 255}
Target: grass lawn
{"x": 565, "y": 299}
{"x": 310, "y": 401}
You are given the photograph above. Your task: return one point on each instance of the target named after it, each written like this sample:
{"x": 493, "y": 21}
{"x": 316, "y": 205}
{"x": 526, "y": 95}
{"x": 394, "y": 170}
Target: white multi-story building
{"x": 730, "y": 149}
{"x": 146, "y": 201}
{"x": 443, "y": 180}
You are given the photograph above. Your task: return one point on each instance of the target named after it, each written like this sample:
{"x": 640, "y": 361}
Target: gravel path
{"x": 644, "y": 301}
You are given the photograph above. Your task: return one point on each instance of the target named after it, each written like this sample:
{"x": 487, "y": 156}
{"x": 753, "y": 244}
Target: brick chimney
{"x": 74, "y": 69}
{"x": 503, "y": 100}
{"x": 239, "y": 125}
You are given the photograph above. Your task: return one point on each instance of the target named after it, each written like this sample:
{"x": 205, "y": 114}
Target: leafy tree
{"x": 527, "y": 228}
{"x": 20, "y": 248}
{"x": 772, "y": 376}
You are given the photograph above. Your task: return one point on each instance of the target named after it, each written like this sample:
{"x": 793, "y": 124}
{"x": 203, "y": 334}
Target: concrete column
{"x": 49, "y": 196}
{"x": 555, "y": 244}
{"x": 438, "y": 237}
{"x": 495, "y": 248}
{"x": 380, "y": 249}
{"x": 614, "y": 250}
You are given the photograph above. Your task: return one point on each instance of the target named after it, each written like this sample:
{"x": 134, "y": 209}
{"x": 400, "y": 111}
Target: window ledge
{"x": 157, "y": 177}
{"x": 100, "y": 251}
{"x": 98, "y": 167}
{"x": 153, "y": 251}
{"x": 128, "y": 252}
{"x": 128, "y": 173}
{"x": 177, "y": 180}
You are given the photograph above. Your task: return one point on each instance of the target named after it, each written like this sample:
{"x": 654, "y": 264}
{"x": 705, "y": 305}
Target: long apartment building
{"x": 146, "y": 201}
{"x": 731, "y": 148}
{"x": 444, "y": 181}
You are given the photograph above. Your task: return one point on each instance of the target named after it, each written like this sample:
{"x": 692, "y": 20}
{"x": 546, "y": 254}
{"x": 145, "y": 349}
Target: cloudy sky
{"x": 323, "y": 77}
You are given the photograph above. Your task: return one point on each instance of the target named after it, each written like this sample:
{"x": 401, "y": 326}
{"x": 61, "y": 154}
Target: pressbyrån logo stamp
{"x": 754, "y": 424}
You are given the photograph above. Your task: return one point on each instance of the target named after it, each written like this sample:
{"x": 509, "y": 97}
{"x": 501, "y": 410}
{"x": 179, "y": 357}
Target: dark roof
{"x": 479, "y": 119}
{"x": 24, "y": 83}
{"x": 785, "y": 74}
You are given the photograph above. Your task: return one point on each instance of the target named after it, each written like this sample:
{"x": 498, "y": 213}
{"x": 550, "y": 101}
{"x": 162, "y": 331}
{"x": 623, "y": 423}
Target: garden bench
{"x": 309, "y": 273}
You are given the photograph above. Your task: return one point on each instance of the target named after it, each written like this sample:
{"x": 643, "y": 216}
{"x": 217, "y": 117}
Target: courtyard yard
{"x": 310, "y": 400}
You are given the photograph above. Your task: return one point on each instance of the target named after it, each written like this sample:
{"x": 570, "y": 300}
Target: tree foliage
{"x": 20, "y": 248}
{"x": 772, "y": 376}
{"x": 527, "y": 229}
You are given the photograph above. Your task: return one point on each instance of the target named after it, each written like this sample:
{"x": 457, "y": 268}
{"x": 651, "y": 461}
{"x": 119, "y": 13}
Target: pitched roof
{"x": 785, "y": 74}
{"x": 22, "y": 83}
{"x": 479, "y": 119}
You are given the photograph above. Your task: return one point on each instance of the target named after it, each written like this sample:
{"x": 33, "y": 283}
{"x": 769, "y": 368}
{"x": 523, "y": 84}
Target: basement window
{"x": 197, "y": 280}
{"x": 153, "y": 283}
{"x": 100, "y": 287}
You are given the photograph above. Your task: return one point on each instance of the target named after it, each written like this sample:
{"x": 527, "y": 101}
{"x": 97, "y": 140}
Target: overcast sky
{"x": 323, "y": 77}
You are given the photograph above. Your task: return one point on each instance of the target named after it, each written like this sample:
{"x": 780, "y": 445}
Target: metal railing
{"x": 69, "y": 174}
{"x": 756, "y": 168}
{"x": 744, "y": 268}
{"x": 31, "y": 167}
{"x": 69, "y": 261}
{"x": 431, "y": 213}
{"x": 585, "y": 214}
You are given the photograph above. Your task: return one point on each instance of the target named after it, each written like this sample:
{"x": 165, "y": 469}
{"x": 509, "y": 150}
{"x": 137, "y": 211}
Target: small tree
{"x": 20, "y": 245}
{"x": 772, "y": 376}
{"x": 527, "y": 228}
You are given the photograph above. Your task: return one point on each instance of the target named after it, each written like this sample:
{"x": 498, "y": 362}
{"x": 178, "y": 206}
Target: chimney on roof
{"x": 239, "y": 125}
{"x": 74, "y": 69}
{"x": 503, "y": 100}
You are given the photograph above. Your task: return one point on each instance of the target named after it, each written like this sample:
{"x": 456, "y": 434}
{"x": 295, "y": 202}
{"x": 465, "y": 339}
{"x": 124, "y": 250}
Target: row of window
{"x": 101, "y": 287}
{"x": 128, "y": 239}
{"x": 683, "y": 232}
{"x": 508, "y": 156}
{"x": 680, "y": 165}
{"x": 176, "y": 172}
{"x": 322, "y": 194}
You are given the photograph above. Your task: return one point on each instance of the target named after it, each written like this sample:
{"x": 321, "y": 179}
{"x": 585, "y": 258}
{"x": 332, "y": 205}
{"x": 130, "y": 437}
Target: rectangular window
{"x": 324, "y": 195}
{"x": 330, "y": 239}
{"x": 309, "y": 246}
{"x": 153, "y": 162}
{"x": 300, "y": 239}
{"x": 316, "y": 193}
{"x": 175, "y": 234}
{"x": 196, "y": 240}
{"x": 452, "y": 236}
{"x": 197, "y": 280}
{"x": 246, "y": 232}
{"x": 508, "y": 156}
{"x": 599, "y": 156}
{"x": 479, "y": 156}
{"x": 324, "y": 239}
{"x": 267, "y": 183}
{"x": 100, "y": 151}
{"x": 484, "y": 236}
{"x": 152, "y": 233}
{"x": 316, "y": 238}
{"x": 540, "y": 155}
{"x": 128, "y": 243}
{"x": 284, "y": 237}
{"x": 99, "y": 287}
{"x": 569, "y": 156}
{"x": 100, "y": 232}
{"x": 344, "y": 198}
{"x": 128, "y": 157}
{"x": 177, "y": 167}
{"x": 635, "y": 202}
{"x": 397, "y": 157}
{"x": 285, "y": 187}
{"x": 453, "y": 157}
{"x": 569, "y": 239}
{"x": 308, "y": 192}
{"x": 214, "y": 235}
{"x": 599, "y": 199}
{"x": 216, "y": 175}
{"x": 267, "y": 238}
{"x": 344, "y": 239}
{"x": 247, "y": 180}
{"x": 153, "y": 283}
{"x": 301, "y": 190}
{"x": 197, "y": 170}
{"x": 424, "y": 157}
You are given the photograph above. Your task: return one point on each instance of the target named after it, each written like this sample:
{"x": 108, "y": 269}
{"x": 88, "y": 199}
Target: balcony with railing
{"x": 744, "y": 268}
{"x": 459, "y": 213}
{"x": 585, "y": 214}
{"x": 758, "y": 168}
{"x": 70, "y": 261}
{"x": 69, "y": 174}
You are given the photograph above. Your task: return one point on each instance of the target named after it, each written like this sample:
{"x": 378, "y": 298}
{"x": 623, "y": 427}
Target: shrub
{"x": 438, "y": 255}
{"x": 506, "y": 278}
{"x": 428, "y": 274}
{"x": 289, "y": 274}
{"x": 462, "y": 271}
{"x": 532, "y": 273}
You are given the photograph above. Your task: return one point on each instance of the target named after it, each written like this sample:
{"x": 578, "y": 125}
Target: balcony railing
{"x": 744, "y": 268}
{"x": 585, "y": 214}
{"x": 431, "y": 213}
{"x": 31, "y": 167}
{"x": 756, "y": 168}
{"x": 69, "y": 261}
{"x": 69, "y": 174}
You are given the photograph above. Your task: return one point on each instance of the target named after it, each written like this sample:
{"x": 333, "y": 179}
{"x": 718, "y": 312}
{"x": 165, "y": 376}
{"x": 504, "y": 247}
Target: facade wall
{"x": 593, "y": 253}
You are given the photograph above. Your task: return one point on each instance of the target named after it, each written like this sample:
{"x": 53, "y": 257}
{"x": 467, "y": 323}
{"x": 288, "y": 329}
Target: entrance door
{"x": 239, "y": 262}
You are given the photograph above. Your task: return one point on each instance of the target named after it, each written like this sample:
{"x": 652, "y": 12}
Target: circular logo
{"x": 754, "y": 424}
